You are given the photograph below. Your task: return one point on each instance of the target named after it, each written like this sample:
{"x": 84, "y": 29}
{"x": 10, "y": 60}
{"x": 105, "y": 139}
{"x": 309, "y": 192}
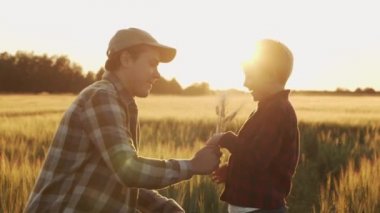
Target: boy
{"x": 265, "y": 152}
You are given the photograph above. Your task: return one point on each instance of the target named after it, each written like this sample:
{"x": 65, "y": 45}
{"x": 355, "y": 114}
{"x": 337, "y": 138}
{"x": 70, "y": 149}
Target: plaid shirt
{"x": 264, "y": 156}
{"x": 93, "y": 164}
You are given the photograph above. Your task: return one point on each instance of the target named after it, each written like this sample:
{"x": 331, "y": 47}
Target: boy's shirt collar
{"x": 284, "y": 94}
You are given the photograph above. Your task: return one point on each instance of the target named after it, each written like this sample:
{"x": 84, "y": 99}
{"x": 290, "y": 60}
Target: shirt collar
{"x": 284, "y": 94}
{"x": 125, "y": 95}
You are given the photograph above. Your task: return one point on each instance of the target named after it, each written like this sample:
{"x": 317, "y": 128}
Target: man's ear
{"x": 125, "y": 59}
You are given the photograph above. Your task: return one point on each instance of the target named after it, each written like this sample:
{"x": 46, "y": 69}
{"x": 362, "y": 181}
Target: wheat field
{"x": 338, "y": 169}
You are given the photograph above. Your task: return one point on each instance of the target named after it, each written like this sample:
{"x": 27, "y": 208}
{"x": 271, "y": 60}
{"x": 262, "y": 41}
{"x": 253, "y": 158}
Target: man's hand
{"x": 206, "y": 160}
{"x": 220, "y": 175}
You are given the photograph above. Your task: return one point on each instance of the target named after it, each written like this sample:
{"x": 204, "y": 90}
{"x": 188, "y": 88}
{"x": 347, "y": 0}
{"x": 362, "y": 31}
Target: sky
{"x": 334, "y": 43}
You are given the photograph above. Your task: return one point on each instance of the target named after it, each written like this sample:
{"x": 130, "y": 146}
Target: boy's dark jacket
{"x": 264, "y": 155}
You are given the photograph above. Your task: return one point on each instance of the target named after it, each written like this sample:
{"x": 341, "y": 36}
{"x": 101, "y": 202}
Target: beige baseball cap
{"x": 132, "y": 37}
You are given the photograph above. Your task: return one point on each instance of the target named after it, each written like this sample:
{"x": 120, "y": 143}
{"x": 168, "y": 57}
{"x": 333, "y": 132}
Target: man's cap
{"x": 130, "y": 37}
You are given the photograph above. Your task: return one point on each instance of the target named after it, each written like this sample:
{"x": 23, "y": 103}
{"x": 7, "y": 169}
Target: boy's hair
{"x": 275, "y": 58}
{"x": 113, "y": 61}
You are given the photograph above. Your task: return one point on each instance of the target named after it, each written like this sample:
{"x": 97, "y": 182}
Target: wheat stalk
{"x": 223, "y": 118}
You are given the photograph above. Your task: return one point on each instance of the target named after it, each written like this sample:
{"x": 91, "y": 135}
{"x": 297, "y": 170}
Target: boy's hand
{"x": 220, "y": 175}
{"x": 206, "y": 160}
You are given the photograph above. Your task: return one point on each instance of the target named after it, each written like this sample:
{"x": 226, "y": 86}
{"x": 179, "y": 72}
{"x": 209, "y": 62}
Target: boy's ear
{"x": 125, "y": 59}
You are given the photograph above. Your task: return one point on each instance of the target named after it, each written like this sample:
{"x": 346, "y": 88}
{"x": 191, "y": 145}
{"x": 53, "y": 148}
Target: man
{"x": 93, "y": 163}
{"x": 264, "y": 154}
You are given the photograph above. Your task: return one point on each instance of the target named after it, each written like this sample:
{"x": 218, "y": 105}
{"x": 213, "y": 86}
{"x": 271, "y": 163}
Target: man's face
{"x": 141, "y": 73}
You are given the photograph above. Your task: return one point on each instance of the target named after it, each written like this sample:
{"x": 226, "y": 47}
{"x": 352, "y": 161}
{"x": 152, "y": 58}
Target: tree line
{"x": 29, "y": 73}
{"x": 366, "y": 90}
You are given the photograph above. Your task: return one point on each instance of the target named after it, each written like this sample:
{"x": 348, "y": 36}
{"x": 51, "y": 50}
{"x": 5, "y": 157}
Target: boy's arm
{"x": 265, "y": 144}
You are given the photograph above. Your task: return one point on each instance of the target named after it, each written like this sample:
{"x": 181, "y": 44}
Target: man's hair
{"x": 276, "y": 57}
{"x": 113, "y": 61}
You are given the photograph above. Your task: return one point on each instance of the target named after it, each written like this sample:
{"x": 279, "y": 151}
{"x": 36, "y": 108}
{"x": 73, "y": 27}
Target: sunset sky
{"x": 335, "y": 43}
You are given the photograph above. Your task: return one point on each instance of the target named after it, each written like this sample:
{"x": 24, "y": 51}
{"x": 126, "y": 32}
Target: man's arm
{"x": 152, "y": 201}
{"x": 104, "y": 121}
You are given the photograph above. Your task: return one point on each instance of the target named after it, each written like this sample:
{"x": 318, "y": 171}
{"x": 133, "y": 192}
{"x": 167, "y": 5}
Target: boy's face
{"x": 262, "y": 83}
{"x": 256, "y": 80}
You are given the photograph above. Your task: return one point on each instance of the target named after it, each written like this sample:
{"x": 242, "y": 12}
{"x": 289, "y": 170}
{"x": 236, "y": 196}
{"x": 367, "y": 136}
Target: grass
{"x": 354, "y": 110}
{"x": 357, "y": 189}
{"x": 340, "y": 139}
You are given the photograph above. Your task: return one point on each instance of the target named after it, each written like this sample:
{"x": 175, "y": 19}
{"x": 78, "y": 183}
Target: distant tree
{"x": 26, "y": 72}
{"x": 197, "y": 89}
{"x": 6, "y": 64}
{"x": 369, "y": 90}
{"x": 342, "y": 90}
{"x": 175, "y": 87}
{"x": 162, "y": 86}
{"x": 90, "y": 77}
{"x": 99, "y": 74}
{"x": 358, "y": 90}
